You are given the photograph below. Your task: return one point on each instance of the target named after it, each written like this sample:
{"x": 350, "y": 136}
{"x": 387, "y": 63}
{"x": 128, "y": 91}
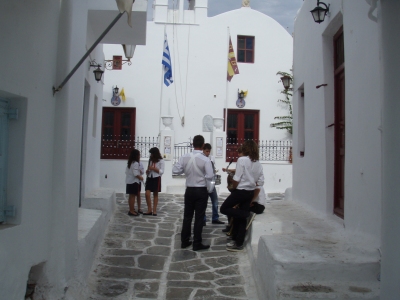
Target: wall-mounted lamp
{"x": 116, "y": 91}
{"x": 286, "y": 81}
{"x": 98, "y": 73}
{"x": 319, "y": 13}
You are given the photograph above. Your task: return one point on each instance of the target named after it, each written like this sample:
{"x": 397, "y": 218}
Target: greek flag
{"x": 166, "y": 61}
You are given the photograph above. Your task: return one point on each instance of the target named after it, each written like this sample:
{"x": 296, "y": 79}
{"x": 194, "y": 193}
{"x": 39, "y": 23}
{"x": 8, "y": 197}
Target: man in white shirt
{"x": 197, "y": 168}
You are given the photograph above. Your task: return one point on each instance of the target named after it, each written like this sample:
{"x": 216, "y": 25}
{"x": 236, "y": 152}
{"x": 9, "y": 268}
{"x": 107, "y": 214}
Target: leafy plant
{"x": 286, "y": 122}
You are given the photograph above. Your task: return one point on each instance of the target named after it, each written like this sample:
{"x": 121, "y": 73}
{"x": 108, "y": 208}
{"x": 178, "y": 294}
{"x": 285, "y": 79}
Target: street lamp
{"x": 319, "y": 13}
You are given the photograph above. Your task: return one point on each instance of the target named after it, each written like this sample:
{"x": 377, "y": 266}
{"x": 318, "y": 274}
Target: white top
{"x": 160, "y": 166}
{"x": 261, "y": 196}
{"x": 132, "y": 172}
{"x": 193, "y": 178}
{"x": 248, "y": 174}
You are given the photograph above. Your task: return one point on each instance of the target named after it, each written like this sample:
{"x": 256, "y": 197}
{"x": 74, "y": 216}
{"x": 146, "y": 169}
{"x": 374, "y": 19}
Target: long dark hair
{"x": 155, "y": 155}
{"x": 134, "y": 156}
{"x": 250, "y": 149}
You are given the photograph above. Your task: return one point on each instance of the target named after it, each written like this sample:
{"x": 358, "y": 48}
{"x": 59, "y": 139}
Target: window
{"x": 118, "y": 132}
{"x": 241, "y": 125}
{"x": 245, "y": 46}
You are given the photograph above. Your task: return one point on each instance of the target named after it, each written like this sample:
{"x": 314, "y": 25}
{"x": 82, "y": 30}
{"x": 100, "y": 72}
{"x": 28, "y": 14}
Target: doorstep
{"x": 296, "y": 254}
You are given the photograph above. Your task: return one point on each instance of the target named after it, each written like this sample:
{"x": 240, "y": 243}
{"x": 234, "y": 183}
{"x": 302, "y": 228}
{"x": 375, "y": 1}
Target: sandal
{"x": 135, "y": 214}
{"x": 154, "y": 214}
{"x": 140, "y": 211}
{"x": 147, "y": 214}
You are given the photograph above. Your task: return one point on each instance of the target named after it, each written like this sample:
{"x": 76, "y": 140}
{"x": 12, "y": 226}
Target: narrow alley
{"x": 141, "y": 258}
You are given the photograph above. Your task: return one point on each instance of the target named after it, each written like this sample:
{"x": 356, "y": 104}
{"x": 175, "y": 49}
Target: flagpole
{"x": 226, "y": 89}
{"x": 162, "y": 83}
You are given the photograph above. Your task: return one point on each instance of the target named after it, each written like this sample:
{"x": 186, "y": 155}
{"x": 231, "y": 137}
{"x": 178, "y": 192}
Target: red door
{"x": 241, "y": 125}
{"x": 118, "y": 132}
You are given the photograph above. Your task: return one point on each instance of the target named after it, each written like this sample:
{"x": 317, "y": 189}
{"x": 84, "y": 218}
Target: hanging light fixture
{"x": 319, "y": 12}
{"x": 286, "y": 80}
{"x": 98, "y": 73}
{"x": 129, "y": 50}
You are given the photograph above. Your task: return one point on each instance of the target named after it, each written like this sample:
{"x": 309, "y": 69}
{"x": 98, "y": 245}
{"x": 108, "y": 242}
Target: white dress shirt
{"x": 193, "y": 178}
{"x": 160, "y": 166}
{"x": 248, "y": 174}
{"x": 132, "y": 172}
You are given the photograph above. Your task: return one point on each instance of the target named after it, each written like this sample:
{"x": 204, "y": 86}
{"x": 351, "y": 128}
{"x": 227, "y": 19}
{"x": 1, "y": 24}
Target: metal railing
{"x": 275, "y": 150}
{"x": 119, "y": 147}
{"x": 181, "y": 149}
{"x": 268, "y": 150}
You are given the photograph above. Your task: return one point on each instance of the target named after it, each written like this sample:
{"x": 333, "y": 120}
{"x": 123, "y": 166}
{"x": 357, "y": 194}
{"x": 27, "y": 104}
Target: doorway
{"x": 340, "y": 126}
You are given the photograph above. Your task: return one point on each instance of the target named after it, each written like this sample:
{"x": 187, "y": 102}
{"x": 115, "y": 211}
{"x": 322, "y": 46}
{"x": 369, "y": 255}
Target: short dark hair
{"x": 198, "y": 141}
{"x": 207, "y": 146}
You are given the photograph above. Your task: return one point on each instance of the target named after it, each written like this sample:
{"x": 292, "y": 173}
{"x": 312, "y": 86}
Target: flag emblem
{"x": 232, "y": 65}
{"x": 166, "y": 61}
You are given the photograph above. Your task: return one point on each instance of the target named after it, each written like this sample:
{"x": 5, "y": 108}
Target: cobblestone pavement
{"x": 141, "y": 258}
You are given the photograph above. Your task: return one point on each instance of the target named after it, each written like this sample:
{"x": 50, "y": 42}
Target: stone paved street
{"x": 141, "y": 258}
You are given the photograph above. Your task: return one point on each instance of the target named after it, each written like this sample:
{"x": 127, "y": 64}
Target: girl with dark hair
{"x": 133, "y": 178}
{"x": 248, "y": 174}
{"x": 153, "y": 182}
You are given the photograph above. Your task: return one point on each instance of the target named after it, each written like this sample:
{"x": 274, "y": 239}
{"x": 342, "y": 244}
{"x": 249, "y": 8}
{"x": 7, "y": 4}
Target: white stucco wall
{"x": 199, "y": 57}
{"x": 313, "y": 65}
{"x": 44, "y": 42}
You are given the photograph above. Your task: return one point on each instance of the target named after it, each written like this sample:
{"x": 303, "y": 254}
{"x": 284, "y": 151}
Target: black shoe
{"x": 217, "y": 222}
{"x": 200, "y": 247}
{"x": 204, "y": 223}
{"x": 185, "y": 244}
{"x": 227, "y": 229}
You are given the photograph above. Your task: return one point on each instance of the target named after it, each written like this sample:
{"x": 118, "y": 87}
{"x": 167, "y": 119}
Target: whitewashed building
{"x": 49, "y": 143}
{"x": 346, "y": 141}
{"x": 200, "y": 92}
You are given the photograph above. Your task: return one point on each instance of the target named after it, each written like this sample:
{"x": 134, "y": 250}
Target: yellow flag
{"x": 232, "y": 65}
{"x": 122, "y": 94}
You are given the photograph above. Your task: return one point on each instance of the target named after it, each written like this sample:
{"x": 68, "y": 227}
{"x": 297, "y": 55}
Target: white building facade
{"x": 49, "y": 143}
{"x": 345, "y": 114}
{"x": 199, "y": 48}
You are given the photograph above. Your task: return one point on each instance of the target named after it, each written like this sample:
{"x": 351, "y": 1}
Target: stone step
{"x": 328, "y": 290}
{"x": 292, "y": 248}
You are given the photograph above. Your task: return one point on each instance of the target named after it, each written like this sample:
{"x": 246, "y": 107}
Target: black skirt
{"x": 153, "y": 184}
{"x": 133, "y": 188}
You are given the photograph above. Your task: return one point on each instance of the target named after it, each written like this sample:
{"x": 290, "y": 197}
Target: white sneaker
{"x": 230, "y": 244}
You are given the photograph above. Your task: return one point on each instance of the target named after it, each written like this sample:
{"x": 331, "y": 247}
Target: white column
{"x": 200, "y": 10}
{"x": 218, "y": 143}
{"x": 181, "y": 2}
{"x": 167, "y": 140}
{"x": 160, "y": 11}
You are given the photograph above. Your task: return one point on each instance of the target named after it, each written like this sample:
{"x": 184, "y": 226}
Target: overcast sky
{"x": 283, "y": 11}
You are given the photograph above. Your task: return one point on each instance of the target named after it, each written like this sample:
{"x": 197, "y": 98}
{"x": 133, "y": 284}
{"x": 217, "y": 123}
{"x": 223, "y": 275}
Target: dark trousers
{"x": 243, "y": 198}
{"x": 195, "y": 204}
